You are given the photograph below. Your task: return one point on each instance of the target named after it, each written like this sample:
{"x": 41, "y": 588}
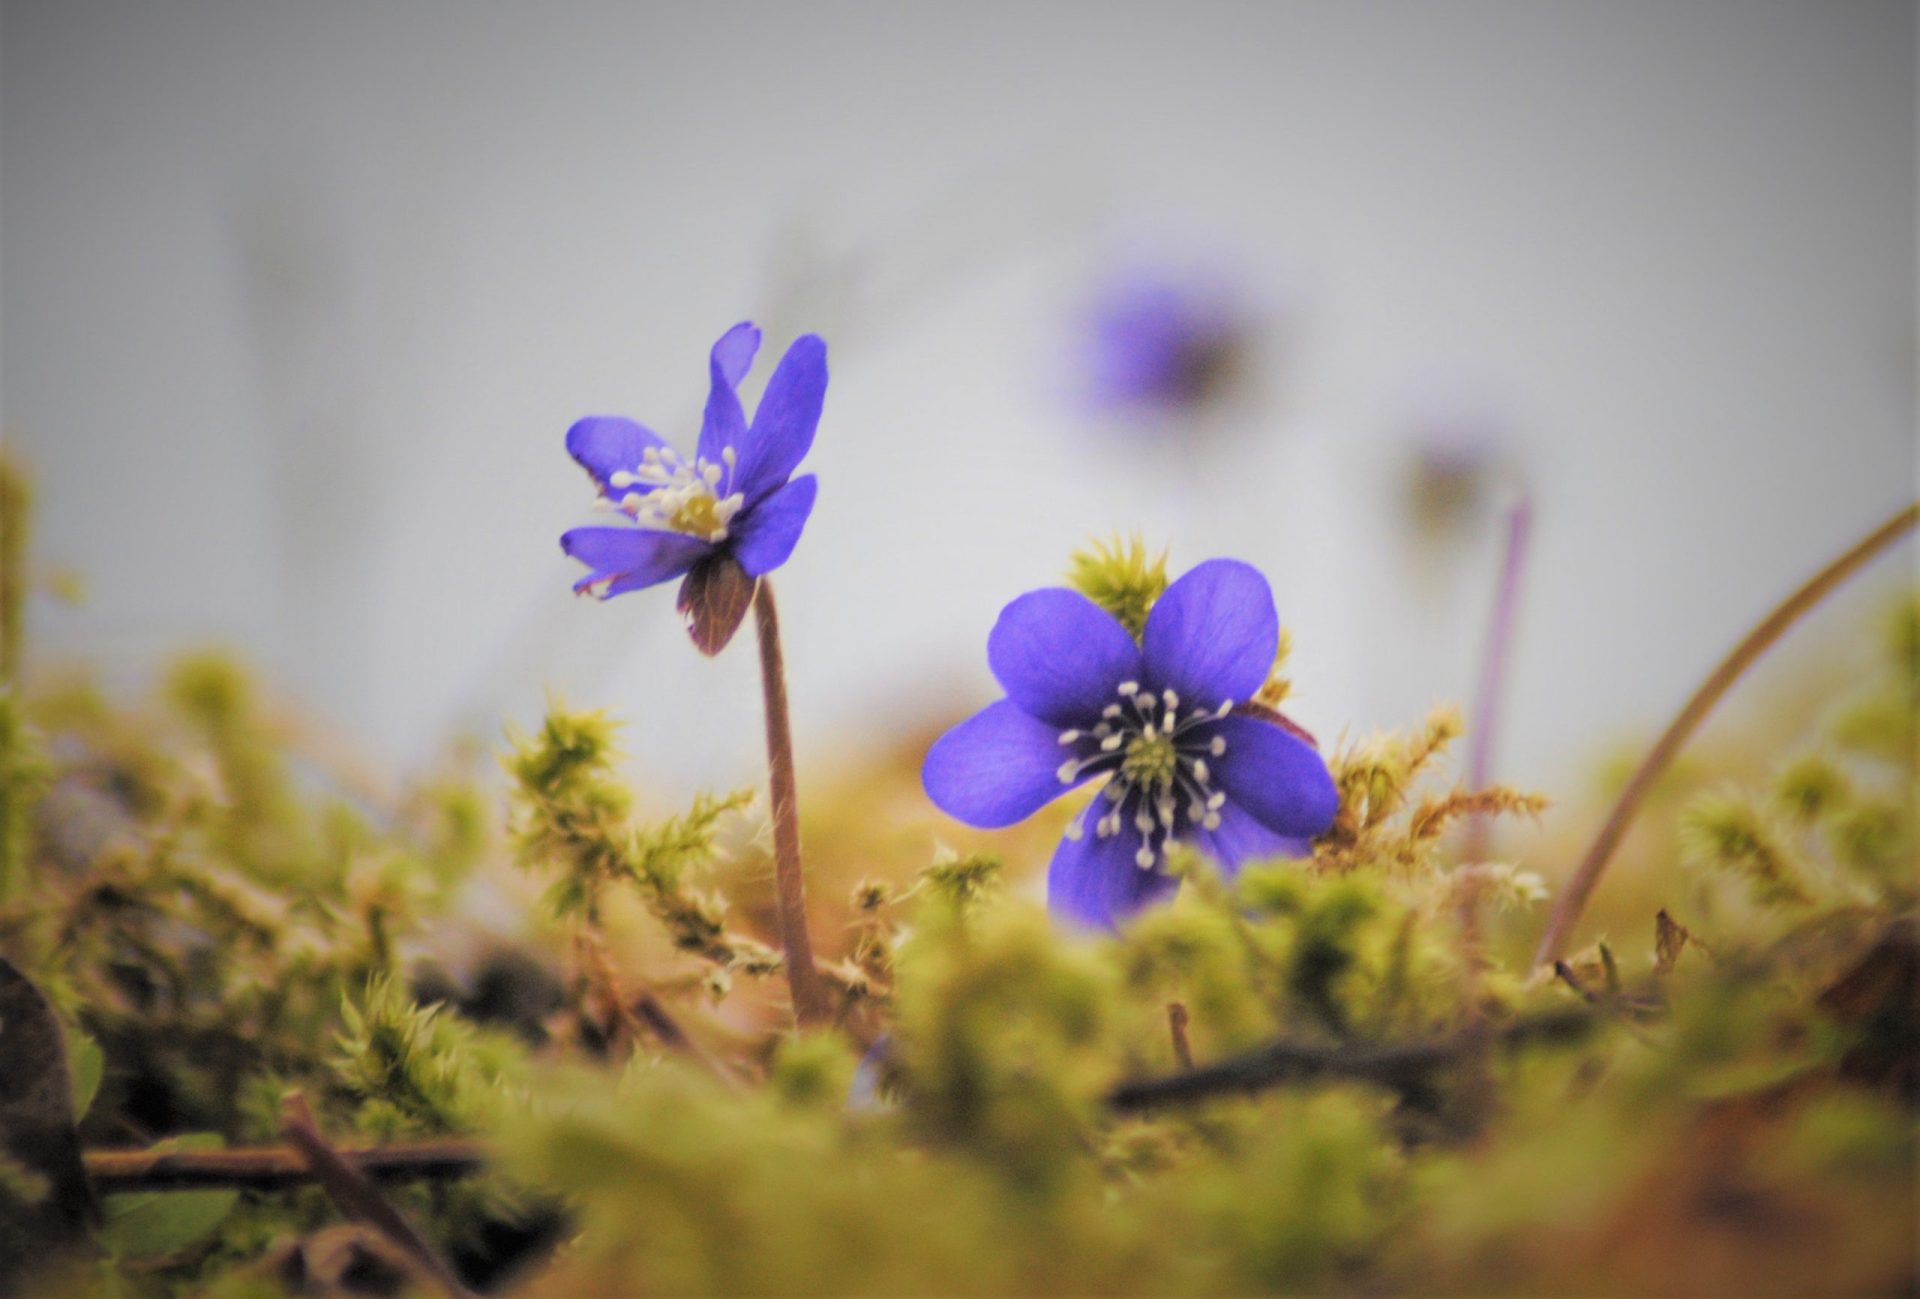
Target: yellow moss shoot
{"x": 1278, "y": 685}
{"x": 1728, "y": 833}
{"x": 1811, "y": 788}
{"x": 1120, "y": 576}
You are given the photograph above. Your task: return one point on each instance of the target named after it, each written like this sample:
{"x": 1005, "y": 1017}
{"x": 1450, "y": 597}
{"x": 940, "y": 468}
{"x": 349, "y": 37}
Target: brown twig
{"x": 810, "y": 1006}
{"x": 645, "y": 1012}
{"x": 1405, "y": 1067}
{"x": 1564, "y": 972}
{"x": 358, "y": 1197}
{"x": 1573, "y": 898}
{"x": 1177, "y": 1026}
{"x": 274, "y": 1168}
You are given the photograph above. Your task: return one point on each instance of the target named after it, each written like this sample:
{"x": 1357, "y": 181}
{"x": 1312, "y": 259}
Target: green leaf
{"x": 87, "y": 1062}
{"x": 143, "y": 1224}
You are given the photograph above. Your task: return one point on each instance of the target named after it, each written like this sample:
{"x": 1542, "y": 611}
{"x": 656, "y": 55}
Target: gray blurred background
{"x": 300, "y": 299}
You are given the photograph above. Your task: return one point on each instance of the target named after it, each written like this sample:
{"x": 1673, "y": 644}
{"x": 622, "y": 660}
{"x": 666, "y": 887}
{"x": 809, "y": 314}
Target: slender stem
{"x": 272, "y": 1168}
{"x": 809, "y": 996}
{"x": 1493, "y": 669}
{"x": 358, "y": 1198}
{"x": 1573, "y": 899}
{"x": 1486, "y": 722}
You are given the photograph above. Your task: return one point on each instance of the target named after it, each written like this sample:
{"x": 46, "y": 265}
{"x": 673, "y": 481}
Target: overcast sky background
{"x": 297, "y": 301}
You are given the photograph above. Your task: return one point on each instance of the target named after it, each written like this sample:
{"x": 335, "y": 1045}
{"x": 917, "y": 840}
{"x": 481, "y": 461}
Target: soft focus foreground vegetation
{"x": 1717, "y": 1100}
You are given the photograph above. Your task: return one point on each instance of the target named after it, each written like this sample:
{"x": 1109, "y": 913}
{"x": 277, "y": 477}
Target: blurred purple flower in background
{"x": 1458, "y": 452}
{"x": 736, "y": 499}
{"x": 1163, "y": 342}
{"x": 1166, "y": 719}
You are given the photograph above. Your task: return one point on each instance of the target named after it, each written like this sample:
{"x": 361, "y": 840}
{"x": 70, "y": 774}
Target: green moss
{"x": 1121, "y": 576}
{"x": 194, "y": 892}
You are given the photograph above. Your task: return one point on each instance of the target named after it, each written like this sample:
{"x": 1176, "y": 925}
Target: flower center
{"x": 682, "y": 496}
{"x": 1150, "y": 759}
{"x": 1159, "y": 763}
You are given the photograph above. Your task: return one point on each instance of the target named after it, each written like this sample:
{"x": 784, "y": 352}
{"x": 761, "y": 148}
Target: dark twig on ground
{"x": 358, "y": 1197}
{"x": 1405, "y": 1067}
{"x": 273, "y": 1168}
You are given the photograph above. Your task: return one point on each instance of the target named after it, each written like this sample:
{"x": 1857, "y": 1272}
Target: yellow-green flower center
{"x": 1150, "y": 759}
{"x": 680, "y": 496}
{"x": 1161, "y": 781}
{"x": 698, "y": 516}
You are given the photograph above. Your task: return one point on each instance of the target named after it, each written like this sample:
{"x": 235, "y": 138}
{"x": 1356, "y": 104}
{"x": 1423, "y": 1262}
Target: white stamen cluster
{"x": 1155, "y": 752}
{"x": 683, "y": 496}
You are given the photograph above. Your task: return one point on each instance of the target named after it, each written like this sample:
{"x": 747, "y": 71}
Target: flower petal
{"x": 605, "y": 443}
{"x": 1281, "y": 781}
{"x": 1212, "y": 634}
{"x": 767, "y": 532}
{"x": 997, "y": 767}
{"x": 733, "y": 355}
{"x": 1060, "y": 656}
{"x": 863, "y": 1093}
{"x": 632, "y": 557}
{"x": 1240, "y": 838}
{"x": 725, "y": 424}
{"x": 1095, "y": 882}
{"x": 784, "y": 424}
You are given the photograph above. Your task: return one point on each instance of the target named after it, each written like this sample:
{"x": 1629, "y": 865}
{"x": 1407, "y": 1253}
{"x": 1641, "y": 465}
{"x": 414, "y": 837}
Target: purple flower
{"x": 729, "y": 515}
{"x": 1162, "y": 343}
{"x": 1165, "y": 719}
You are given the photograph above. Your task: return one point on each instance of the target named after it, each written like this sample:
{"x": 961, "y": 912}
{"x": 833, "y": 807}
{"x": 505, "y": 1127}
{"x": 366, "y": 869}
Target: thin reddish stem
{"x": 1486, "y": 722}
{"x": 810, "y": 1006}
{"x": 1493, "y": 669}
{"x": 1573, "y": 898}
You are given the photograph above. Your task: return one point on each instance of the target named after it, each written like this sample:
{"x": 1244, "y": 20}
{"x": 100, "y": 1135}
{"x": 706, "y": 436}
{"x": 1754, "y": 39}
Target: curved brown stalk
{"x": 810, "y": 1006}
{"x": 1573, "y": 898}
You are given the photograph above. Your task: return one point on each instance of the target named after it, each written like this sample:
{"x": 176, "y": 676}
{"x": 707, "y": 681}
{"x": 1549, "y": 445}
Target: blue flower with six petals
{"x": 1165, "y": 719}
{"x": 736, "y": 499}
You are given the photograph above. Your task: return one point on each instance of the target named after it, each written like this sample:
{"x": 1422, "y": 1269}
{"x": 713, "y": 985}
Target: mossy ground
{"x": 591, "y": 985}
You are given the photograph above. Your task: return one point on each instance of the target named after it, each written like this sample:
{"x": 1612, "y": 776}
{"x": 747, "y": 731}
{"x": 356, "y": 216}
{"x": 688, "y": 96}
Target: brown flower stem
{"x": 1573, "y": 898}
{"x": 809, "y": 995}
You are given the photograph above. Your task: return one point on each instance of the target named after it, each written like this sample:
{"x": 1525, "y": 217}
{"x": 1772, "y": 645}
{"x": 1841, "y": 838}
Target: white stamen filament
{"x": 1162, "y": 780}
{"x": 677, "y": 495}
